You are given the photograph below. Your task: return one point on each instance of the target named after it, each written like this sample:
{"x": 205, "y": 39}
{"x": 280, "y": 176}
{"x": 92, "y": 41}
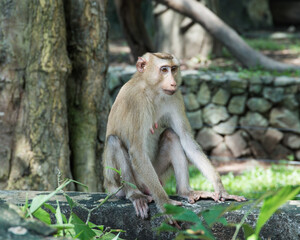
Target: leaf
{"x": 272, "y": 203}
{"x": 70, "y": 201}
{"x": 39, "y": 200}
{"x": 114, "y": 169}
{"x": 130, "y": 184}
{"x": 48, "y": 206}
{"x": 58, "y": 214}
{"x": 43, "y": 216}
{"x": 181, "y": 214}
{"x": 116, "y": 237}
{"x": 82, "y": 230}
{"x": 248, "y": 230}
{"x": 207, "y": 233}
{"x": 214, "y": 214}
{"x": 164, "y": 227}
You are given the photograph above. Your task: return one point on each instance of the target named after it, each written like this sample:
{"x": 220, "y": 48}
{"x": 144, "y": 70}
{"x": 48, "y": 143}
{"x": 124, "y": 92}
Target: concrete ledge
{"x": 285, "y": 224}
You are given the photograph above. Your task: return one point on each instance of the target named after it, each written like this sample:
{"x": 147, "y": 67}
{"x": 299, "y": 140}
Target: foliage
{"x": 73, "y": 226}
{"x": 201, "y": 224}
{"x": 262, "y": 180}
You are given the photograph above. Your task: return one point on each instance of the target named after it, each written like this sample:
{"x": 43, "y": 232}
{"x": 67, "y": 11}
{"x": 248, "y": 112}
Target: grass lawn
{"x": 250, "y": 184}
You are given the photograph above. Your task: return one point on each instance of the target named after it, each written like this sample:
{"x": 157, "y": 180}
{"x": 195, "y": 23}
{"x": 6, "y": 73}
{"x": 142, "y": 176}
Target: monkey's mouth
{"x": 169, "y": 92}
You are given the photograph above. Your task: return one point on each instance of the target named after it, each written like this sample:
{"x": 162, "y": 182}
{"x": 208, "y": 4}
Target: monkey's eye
{"x": 164, "y": 69}
{"x": 174, "y": 69}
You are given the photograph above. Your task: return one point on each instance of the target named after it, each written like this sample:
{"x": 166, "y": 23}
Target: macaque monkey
{"x": 148, "y": 133}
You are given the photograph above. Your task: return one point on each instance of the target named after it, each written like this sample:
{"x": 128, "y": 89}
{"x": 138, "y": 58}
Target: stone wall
{"x": 234, "y": 116}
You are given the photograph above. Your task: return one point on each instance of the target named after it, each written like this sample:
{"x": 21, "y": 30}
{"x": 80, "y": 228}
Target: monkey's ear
{"x": 141, "y": 64}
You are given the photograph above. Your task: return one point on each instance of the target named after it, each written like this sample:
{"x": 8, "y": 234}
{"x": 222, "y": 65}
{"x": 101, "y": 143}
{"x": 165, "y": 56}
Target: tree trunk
{"x": 38, "y": 73}
{"x": 131, "y": 20}
{"x": 226, "y": 35}
{"x": 35, "y": 118}
{"x": 87, "y": 92}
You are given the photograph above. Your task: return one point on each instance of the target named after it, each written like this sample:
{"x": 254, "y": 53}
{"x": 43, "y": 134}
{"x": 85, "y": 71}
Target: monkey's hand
{"x": 140, "y": 203}
{"x": 222, "y": 195}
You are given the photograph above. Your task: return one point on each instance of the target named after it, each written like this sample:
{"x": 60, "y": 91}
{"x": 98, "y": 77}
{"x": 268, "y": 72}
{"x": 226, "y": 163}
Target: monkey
{"x": 148, "y": 133}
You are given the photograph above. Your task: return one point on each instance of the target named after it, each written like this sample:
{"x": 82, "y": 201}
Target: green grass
{"x": 251, "y": 184}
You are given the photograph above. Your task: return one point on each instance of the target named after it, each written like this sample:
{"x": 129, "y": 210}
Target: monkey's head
{"x": 160, "y": 70}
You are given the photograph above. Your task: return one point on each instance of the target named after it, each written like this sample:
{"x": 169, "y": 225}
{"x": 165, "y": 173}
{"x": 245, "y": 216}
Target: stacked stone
{"x": 234, "y": 117}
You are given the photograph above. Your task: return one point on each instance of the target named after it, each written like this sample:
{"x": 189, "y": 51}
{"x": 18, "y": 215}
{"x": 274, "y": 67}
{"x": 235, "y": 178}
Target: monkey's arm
{"x": 194, "y": 153}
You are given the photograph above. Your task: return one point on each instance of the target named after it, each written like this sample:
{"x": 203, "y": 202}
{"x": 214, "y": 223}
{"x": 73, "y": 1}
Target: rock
{"x": 297, "y": 155}
{"x": 205, "y": 77}
{"x": 254, "y": 123}
{"x": 255, "y": 80}
{"x": 255, "y": 88}
{"x": 238, "y": 86}
{"x": 273, "y": 94}
{"x": 270, "y": 139}
{"x": 284, "y": 118}
{"x": 191, "y": 80}
{"x": 237, "y": 144}
{"x": 221, "y": 97}
{"x": 290, "y": 102}
{"x": 267, "y": 79}
{"x": 256, "y": 104}
{"x": 195, "y": 119}
{"x": 291, "y": 140}
{"x": 119, "y": 214}
{"x": 190, "y": 102}
{"x": 127, "y": 73}
{"x": 218, "y": 77}
{"x": 285, "y": 81}
{"x": 237, "y": 104}
{"x": 5, "y": 154}
{"x": 257, "y": 150}
{"x": 113, "y": 80}
{"x": 213, "y": 114}
{"x": 227, "y": 127}
{"x": 280, "y": 153}
{"x": 221, "y": 153}
{"x": 203, "y": 95}
{"x": 208, "y": 139}
{"x": 290, "y": 89}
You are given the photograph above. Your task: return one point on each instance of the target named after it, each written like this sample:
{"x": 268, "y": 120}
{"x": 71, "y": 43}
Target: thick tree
{"x": 41, "y": 63}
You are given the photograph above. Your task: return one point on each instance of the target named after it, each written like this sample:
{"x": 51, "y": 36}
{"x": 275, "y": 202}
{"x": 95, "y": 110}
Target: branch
{"x": 226, "y": 35}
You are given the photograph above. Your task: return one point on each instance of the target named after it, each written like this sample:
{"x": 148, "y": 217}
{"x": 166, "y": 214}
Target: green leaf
{"x": 248, "y": 230}
{"x": 43, "y": 216}
{"x": 181, "y": 214}
{"x": 272, "y": 203}
{"x": 130, "y": 184}
{"x": 70, "y": 201}
{"x": 39, "y": 200}
{"x": 207, "y": 233}
{"x": 164, "y": 227}
{"x": 58, "y": 214}
{"x": 114, "y": 169}
{"x": 48, "y": 206}
{"x": 214, "y": 214}
{"x": 116, "y": 237}
{"x": 82, "y": 230}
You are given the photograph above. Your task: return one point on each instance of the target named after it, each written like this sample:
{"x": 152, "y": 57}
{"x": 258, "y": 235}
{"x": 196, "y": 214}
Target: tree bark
{"x": 40, "y": 145}
{"x": 87, "y": 93}
{"x": 226, "y": 35}
{"x": 131, "y": 20}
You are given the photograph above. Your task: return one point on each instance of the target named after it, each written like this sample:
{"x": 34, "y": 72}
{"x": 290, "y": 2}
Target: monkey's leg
{"x": 171, "y": 153}
{"x": 117, "y": 156}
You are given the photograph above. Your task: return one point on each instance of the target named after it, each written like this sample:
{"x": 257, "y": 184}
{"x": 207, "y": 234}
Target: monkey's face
{"x": 160, "y": 71}
{"x": 168, "y": 78}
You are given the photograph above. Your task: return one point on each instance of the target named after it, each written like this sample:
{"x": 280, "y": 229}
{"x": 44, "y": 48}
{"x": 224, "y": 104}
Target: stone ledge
{"x": 120, "y": 214}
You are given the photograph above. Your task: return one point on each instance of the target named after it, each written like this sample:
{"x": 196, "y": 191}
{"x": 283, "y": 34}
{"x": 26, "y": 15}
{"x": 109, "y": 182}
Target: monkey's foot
{"x": 222, "y": 196}
{"x": 140, "y": 203}
{"x": 194, "y": 196}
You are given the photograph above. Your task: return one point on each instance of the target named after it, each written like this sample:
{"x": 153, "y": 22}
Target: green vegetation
{"x": 251, "y": 184}
{"x": 200, "y": 228}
